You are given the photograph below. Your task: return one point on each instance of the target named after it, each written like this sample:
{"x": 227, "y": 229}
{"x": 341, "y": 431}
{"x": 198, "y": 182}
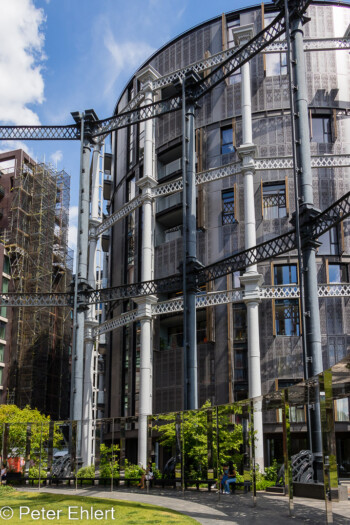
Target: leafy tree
{"x": 195, "y": 437}
{"x": 109, "y": 461}
{"x": 18, "y": 420}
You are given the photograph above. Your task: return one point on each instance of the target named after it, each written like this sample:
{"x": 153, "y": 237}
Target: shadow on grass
{"x": 39, "y": 499}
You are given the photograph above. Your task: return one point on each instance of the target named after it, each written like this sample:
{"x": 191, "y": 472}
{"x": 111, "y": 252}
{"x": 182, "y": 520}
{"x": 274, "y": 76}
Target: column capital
{"x": 247, "y": 153}
{"x": 243, "y": 34}
{"x": 251, "y": 282}
{"x": 144, "y": 306}
{"x": 146, "y": 77}
{"x": 146, "y": 183}
{"x": 90, "y": 325}
{"x": 93, "y": 225}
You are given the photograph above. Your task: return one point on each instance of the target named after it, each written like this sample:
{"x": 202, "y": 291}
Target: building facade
{"x": 222, "y": 340}
{"x": 34, "y": 258}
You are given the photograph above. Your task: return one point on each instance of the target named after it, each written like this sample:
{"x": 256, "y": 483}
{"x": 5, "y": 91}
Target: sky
{"x": 59, "y": 56}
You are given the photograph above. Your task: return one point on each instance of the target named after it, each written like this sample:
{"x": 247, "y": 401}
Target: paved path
{"x": 212, "y": 509}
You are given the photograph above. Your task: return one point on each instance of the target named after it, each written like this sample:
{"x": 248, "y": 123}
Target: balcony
{"x": 107, "y": 187}
{"x": 171, "y": 168}
{"x": 165, "y": 203}
{"x": 105, "y": 242}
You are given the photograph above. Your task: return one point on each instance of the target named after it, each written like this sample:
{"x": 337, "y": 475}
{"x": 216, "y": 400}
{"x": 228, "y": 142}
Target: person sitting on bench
{"x": 231, "y": 478}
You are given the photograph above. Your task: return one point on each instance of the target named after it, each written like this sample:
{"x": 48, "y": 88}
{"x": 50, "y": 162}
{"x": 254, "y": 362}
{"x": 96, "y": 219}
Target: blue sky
{"x": 59, "y": 56}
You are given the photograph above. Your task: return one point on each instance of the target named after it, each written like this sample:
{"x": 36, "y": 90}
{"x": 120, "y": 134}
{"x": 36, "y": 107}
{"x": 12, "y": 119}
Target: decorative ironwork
{"x": 330, "y": 217}
{"x": 241, "y": 260}
{"x": 311, "y": 44}
{"x": 71, "y": 132}
{"x": 36, "y": 299}
{"x": 283, "y": 163}
{"x": 219, "y": 173}
{"x": 140, "y": 114}
{"x": 243, "y": 54}
{"x": 120, "y": 214}
{"x": 334, "y": 290}
{"x": 118, "y": 322}
{"x": 280, "y": 292}
{"x": 167, "y": 188}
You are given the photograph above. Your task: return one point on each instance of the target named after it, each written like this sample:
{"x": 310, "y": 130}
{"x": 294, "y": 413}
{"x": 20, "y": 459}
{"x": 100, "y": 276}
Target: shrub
{"x": 263, "y": 483}
{"x": 34, "y": 472}
{"x": 86, "y": 472}
{"x": 5, "y": 489}
{"x": 271, "y": 472}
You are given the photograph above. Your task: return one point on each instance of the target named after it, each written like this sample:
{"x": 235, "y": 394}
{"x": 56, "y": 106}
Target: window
{"x": 236, "y": 282}
{"x": 5, "y": 289}
{"x": 342, "y": 409}
{"x": 228, "y": 207}
{"x": 2, "y": 330}
{"x": 2, "y": 353}
{"x": 274, "y": 63}
{"x": 286, "y": 311}
{"x": 337, "y": 273}
{"x": 241, "y": 363}
{"x": 321, "y": 129}
{"x": 227, "y": 141}
{"x": 330, "y": 243}
{"x": 239, "y": 322}
{"x": 6, "y": 266}
{"x": 235, "y": 78}
{"x": 131, "y": 235}
{"x": 274, "y": 203}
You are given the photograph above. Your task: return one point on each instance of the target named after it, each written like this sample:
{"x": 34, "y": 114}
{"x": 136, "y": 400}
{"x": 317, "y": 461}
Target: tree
{"x": 18, "y": 421}
{"x": 202, "y": 434}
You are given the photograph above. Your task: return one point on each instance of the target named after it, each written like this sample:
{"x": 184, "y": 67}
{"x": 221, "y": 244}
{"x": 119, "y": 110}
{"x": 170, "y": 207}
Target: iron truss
{"x": 134, "y": 116}
{"x": 102, "y": 127}
{"x": 330, "y": 217}
{"x": 236, "y": 262}
{"x": 310, "y": 44}
{"x": 36, "y": 299}
{"x": 174, "y": 186}
{"x": 242, "y": 260}
{"x": 222, "y": 297}
{"x": 71, "y": 132}
{"x": 118, "y": 215}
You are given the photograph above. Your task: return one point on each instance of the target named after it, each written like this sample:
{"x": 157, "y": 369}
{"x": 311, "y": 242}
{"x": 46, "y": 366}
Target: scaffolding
{"x": 37, "y": 243}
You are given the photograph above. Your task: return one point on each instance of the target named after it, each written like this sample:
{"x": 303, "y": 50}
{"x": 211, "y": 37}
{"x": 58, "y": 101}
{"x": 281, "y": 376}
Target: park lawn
{"x": 125, "y": 512}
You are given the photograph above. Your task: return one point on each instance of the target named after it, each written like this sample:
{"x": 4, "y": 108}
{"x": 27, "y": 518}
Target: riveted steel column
{"x": 80, "y": 278}
{"x": 191, "y": 256}
{"x": 251, "y": 279}
{"x": 190, "y": 262}
{"x": 307, "y": 211}
{"x": 90, "y": 321}
{"x": 146, "y": 184}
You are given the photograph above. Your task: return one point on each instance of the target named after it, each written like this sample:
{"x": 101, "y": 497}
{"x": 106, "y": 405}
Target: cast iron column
{"x": 251, "y": 280}
{"x": 90, "y": 321}
{"x": 190, "y": 262}
{"x": 146, "y": 183}
{"x": 307, "y": 212}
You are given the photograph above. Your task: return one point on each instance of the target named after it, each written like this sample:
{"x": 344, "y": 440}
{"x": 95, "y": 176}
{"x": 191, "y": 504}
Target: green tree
{"x": 198, "y": 431}
{"x": 18, "y": 421}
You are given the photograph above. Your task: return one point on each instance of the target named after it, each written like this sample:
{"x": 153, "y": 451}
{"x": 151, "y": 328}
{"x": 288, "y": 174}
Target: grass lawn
{"x": 29, "y": 507}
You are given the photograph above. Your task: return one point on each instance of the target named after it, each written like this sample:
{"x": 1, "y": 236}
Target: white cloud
{"x": 73, "y": 230}
{"x": 21, "y": 59}
{"x": 10, "y": 145}
{"x": 72, "y": 237}
{"x": 56, "y": 157}
{"x": 126, "y": 56}
{"x": 73, "y": 213}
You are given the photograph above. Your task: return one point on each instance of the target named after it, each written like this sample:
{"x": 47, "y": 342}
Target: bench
{"x": 117, "y": 482}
